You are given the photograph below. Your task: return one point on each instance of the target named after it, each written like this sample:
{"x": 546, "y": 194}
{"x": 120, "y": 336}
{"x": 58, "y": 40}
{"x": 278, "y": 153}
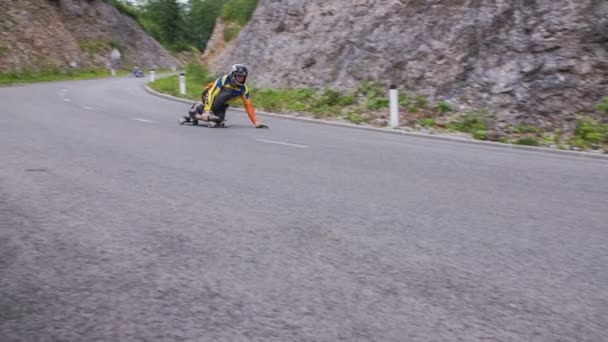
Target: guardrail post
{"x": 152, "y": 75}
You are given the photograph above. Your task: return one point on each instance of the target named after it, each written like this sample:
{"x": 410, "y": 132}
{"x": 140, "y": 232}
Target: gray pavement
{"x": 116, "y": 224}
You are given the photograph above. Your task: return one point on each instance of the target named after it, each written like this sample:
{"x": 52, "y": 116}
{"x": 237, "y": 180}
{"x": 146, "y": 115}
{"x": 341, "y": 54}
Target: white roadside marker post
{"x": 394, "y": 105}
{"x": 182, "y": 83}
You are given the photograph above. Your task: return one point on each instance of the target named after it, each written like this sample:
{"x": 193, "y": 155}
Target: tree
{"x": 201, "y": 20}
{"x": 164, "y": 19}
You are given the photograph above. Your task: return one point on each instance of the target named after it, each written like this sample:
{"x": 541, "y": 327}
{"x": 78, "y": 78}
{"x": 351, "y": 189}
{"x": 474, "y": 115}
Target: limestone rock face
{"x": 44, "y": 34}
{"x": 539, "y": 59}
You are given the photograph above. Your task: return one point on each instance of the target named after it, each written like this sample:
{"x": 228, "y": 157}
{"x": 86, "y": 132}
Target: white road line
{"x": 88, "y": 108}
{"x": 143, "y": 120}
{"x": 282, "y": 143}
{"x": 67, "y": 100}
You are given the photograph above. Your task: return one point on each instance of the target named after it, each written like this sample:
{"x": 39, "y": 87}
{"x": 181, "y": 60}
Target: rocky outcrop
{"x": 217, "y": 48}
{"x": 61, "y": 34}
{"x": 538, "y": 60}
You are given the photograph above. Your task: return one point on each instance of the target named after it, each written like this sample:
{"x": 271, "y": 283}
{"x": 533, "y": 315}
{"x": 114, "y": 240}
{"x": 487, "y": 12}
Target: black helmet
{"x": 241, "y": 70}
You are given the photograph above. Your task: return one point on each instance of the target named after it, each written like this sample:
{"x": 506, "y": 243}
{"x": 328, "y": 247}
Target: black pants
{"x": 220, "y": 104}
{"x": 218, "y": 108}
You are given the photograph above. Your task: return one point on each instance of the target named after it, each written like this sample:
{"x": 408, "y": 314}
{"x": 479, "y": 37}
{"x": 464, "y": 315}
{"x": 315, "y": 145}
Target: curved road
{"x": 116, "y": 224}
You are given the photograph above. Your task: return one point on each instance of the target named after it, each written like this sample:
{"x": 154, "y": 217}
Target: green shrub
{"x": 179, "y": 46}
{"x": 231, "y": 32}
{"x": 198, "y": 73}
{"x": 125, "y": 8}
{"x": 238, "y": 11}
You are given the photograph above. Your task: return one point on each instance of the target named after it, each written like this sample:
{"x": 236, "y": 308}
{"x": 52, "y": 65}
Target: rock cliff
{"x": 59, "y": 34}
{"x": 538, "y": 60}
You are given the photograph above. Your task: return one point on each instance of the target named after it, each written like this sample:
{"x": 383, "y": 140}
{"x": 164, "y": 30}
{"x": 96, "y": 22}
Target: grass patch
{"x": 355, "y": 117}
{"x": 558, "y": 137}
{"x": 480, "y": 135}
{"x": 170, "y": 85}
{"x": 321, "y": 104}
{"x": 93, "y": 47}
{"x": 334, "y": 98}
{"x": 413, "y": 104}
{"x": 370, "y": 89}
{"x": 330, "y": 103}
{"x": 444, "y": 107}
{"x": 427, "y": 122}
{"x": 421, "y": 102}
{"x": 474, "y": 123}
{"x": 548, "y": 138}
{"x": 589, "y": 133}
{"x": 114, "y": 45}
{"x": 603, "y": 106}
{"x": 269, "y": 99}
{"x": 197, "y": 77}
{"x": 527, "y": 142}
{"x": 377, "y": 103}
{"x": 30, "y": 76}
{"x": 376, "y": 96}
{"x": 524, "y": 129}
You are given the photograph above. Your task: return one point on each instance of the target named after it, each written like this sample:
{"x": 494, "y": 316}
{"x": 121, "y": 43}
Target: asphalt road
{"x": 117, "y": 224}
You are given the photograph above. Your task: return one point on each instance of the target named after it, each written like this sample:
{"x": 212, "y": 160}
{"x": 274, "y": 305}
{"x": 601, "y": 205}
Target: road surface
{"x": 117, "y": 224}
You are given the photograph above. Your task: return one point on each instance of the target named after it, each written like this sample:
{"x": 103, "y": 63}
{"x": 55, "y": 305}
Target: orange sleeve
{"x": 250, "y": 110}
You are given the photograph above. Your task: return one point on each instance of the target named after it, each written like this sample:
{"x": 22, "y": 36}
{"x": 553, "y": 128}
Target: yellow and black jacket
{"x": 242, "y": 92}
